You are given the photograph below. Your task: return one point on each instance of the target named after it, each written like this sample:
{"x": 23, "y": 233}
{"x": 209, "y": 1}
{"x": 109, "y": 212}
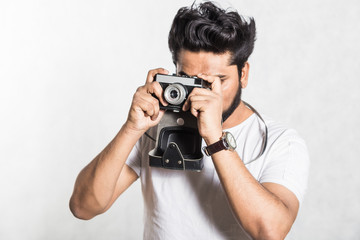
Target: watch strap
{"x": 215, "y": 147}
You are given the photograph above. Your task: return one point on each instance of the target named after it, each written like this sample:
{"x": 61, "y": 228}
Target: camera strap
{"x": 265, "y": 134}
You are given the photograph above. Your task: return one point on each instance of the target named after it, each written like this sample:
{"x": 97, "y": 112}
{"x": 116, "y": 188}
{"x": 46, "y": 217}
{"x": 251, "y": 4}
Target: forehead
{"x": 193, "y": 63}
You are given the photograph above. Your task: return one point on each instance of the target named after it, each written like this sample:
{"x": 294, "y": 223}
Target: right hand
{"x": 145, "y": 110}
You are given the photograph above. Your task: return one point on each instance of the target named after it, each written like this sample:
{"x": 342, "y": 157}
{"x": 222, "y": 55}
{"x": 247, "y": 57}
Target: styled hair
{"x": 206, "y": 27}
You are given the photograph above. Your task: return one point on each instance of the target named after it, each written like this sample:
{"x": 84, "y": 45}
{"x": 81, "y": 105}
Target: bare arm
{"x": 105, "y": 178}
{"x": 266, "y": 211}
{"x": 102, "y": 181}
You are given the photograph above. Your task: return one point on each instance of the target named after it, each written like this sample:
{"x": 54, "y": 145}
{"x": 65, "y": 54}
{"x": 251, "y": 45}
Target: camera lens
{"x": 175, "y": 93}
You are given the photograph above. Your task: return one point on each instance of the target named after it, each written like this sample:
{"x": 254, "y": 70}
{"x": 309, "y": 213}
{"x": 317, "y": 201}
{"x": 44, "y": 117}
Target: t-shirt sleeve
{"x": 288, "y": 164}
{"x": 134, "y": 159}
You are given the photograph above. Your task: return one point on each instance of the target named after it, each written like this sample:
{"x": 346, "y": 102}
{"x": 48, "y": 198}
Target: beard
{"x": 235, "y": 103}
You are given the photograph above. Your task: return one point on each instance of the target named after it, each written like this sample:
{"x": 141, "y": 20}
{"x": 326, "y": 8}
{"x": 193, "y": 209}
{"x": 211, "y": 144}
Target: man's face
{"x": 193, "y": 63}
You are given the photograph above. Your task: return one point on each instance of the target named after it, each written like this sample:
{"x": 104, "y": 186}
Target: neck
{"x": 240, "y": 114}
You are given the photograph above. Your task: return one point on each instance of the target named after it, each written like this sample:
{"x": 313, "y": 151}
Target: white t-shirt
{"x": 192, "y": 205}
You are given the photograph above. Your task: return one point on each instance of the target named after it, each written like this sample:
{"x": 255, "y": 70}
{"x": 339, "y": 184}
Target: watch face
{"x": 230, "y": 140}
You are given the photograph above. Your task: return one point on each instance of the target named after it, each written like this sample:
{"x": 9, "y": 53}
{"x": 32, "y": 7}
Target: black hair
{"x": 209, "y": 28}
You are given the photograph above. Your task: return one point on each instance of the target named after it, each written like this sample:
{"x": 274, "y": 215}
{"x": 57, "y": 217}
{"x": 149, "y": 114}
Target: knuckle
{"x": 155, "y": 85}
{"x": 194, "y": 91}
{"x": 192, "y": 99}
{"x": 136, "y": 96}
{"x": 139, "y": 93}
{"x": 149, "y": 107}
{"x": 151, "y": 71}
{"x": 154, "y": 102}
{"x": 139, "y": 89}
{"x": 155, "y": 70}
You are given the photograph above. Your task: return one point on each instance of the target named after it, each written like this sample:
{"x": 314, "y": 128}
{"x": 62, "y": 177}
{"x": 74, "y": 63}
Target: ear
{"x": 245, "y": 75}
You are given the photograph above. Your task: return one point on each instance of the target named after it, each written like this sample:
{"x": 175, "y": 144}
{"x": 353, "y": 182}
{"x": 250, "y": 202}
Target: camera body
{"x": 177, "y": 88}
{"x": 178, "y": 142}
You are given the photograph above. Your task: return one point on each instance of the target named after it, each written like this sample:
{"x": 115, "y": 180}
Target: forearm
{"x": 105, "y": 178}
{"x": 96, "y": 183}
{"x": 261, "y": 213}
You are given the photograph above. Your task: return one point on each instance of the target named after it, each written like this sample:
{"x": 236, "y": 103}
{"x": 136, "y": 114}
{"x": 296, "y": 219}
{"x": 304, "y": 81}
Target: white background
{"x": 68, "y": 70}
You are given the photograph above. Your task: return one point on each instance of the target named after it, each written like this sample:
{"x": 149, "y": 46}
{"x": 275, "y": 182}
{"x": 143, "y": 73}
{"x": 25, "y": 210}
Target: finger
{"x": 187, "y": 103}
{"x": 214, "y": 81}
{"x": 195, "y": 92}
{"x": 155, "y": 88}
{"x": 146, "y": 93}
{"x": 151, "y": 111}
{"x": 144, "y": 107}
{"x": 199, "y": 98}
{"x": 160, "y": 115}
{"x": 201, "y": 91}
{"x": 148, "y": 90}
{"x": 199, "y": 103}
{"x": 194, "y": 112}
{"x": 149, "y": 105}
{"x": 156, "y": 108}
{"x": 152, "y": 73}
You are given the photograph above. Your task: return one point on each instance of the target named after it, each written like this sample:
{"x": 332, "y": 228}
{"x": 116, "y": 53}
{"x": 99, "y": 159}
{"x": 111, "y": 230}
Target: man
{"x": 238, "y": 194}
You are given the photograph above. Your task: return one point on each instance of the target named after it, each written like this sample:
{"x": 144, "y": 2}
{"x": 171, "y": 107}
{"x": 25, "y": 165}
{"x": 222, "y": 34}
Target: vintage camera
{"x": 178, "y": 142}
{"x": 177, "y": 88}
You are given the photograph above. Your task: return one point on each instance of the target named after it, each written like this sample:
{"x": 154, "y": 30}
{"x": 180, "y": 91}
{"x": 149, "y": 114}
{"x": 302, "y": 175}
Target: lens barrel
{"x": 175, "y": 93}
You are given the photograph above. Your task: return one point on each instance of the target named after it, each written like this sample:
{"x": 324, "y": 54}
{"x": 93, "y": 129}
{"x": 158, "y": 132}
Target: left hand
{"x": 206, "y": 106}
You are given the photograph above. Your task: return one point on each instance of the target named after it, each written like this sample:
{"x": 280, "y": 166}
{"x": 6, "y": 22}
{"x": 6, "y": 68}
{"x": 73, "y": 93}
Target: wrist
{"x": 226, "y": 142}
{"x": 216, "y": 136}
{"x": 130, "y": 130}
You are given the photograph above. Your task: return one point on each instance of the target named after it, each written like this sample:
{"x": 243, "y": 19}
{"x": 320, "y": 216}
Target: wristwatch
{"x": 226, "y": 142}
